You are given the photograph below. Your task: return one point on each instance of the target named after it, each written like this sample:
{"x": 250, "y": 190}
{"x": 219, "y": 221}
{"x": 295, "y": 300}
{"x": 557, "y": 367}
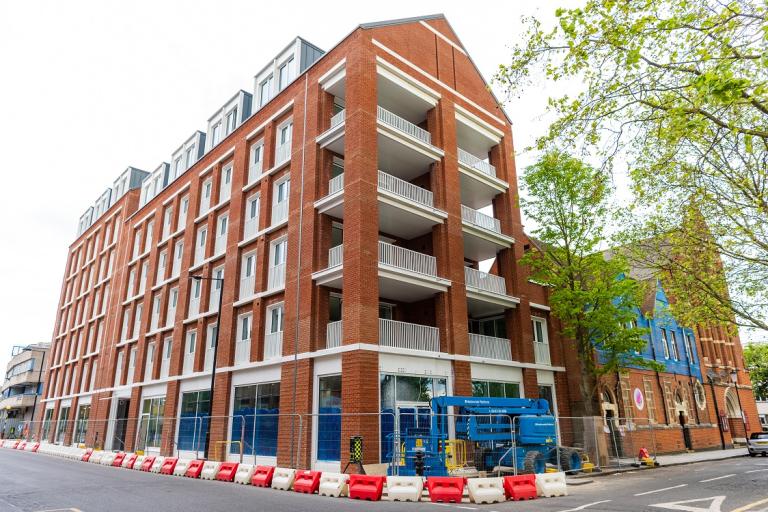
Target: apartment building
{"x": 356, "y": 214}
{"x": 22, "y": 387}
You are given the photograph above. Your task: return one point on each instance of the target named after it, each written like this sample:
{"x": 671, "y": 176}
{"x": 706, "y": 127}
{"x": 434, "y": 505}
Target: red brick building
{"x": 360, "y": 209}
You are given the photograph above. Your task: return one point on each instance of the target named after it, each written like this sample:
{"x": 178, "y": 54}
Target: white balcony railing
{"x": 247, "y": 287}
{"x": 484, "y": 281}
{"x": 165, "y": 366}
{"x": 194, "y": 307}
{"x": 283, "y": 153}
{"x": 337, "y": 119}
{"x": 400, "y": 124}
{"x": 333, "y": 333}
{"x": 410, "y": 336}
{"x": 155, "y": 322}
{"x": 276, "y": 278}
{"x": 480, "y": 219}
{"x": 279, "y": 212}
{"x": 407, "y": 259}
{"x": 335, "y": 256}
{"x": 490, "y": 347}
{"x": 250, "y": 228}
{"x": 213, "y": 300}
{"x": 148, "y": 371}
{"x": 254, "y": 172}
{"x": 336, "y": 184}
{"x": 242, "y": 351}
{"x": 273, "y": 345}
{"x": 208, "y": 362}
{"x": 541, "y": 353}
{"x": 129, "y": 375}
{"x": 189, "y": 360}
{"x": 404, "y": 189}
{"x": 199, "y": 254}
{"x": 476, "y": 163}
{"x": 220, "y": 244}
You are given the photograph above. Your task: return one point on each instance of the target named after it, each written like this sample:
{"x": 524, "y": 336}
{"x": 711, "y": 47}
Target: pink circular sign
{"x": 639, "y": 398}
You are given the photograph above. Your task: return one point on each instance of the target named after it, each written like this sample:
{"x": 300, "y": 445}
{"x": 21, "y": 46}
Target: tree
{"x": 591, "y": 295}
{"x": 679, "y": 90}
{"x": 756, "y": 359}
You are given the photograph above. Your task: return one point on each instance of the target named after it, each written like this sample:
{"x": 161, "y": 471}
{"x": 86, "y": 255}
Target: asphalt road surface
{"x": 31, "y": 482}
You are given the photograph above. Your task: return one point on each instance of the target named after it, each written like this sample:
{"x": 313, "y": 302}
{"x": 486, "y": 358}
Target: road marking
{"x": 717, "y": 478}
{"x": 714, "y": 506}
{"x": 661, "y": 490}
{"x": 755, "y": 470}
{"x": 747, "y": 507}
{"x": 585, "y": 506}
{"x": 466, "y": 508}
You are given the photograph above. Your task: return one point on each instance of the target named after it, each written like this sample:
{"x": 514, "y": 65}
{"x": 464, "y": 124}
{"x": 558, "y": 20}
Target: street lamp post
{"x": 215, "y": 353}
{"x": 735, "y": 380}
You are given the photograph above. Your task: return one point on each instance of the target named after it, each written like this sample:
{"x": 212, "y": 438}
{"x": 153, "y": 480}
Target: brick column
{"x": 295, "y": 434}
{"x": 219, "y": 423}
{"x": 170, "y": 421}
{"x": 360, "y": 391}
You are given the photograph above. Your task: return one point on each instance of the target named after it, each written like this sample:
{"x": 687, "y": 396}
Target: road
{"x": 31, "y": 482}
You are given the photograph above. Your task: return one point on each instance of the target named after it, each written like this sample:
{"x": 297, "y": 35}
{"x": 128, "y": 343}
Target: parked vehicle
{"x": 758, "y": 443}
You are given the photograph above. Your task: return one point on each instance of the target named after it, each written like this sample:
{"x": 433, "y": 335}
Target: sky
{"x": 88, "y": 88}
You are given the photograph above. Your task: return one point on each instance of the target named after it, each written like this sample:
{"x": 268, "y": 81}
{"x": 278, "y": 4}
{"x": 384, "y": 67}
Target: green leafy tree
{"x": 589, "y": 293}
{"x": 677, "y": 89}
{"x": 756, "y": 359}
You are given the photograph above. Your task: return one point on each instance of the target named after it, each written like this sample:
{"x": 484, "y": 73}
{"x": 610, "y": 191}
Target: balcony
{"x": 220, "y": 244}
{"x": 486, "y": 293}
{"x": 165, "y": 366}
{"x": 541, "y": 353}
{"x": 18, "y": 401}
{"x": 208, "y": 361}
{"x": 273, "y": 345}
{"x": 333, "y": 334}
{"x": 404, "y": 275}
{"x": 279, "y": 212}
{"x": 409, "y": 336}
{"x": 250, "y": 228}
{"x": 194, "y": 307}
{"x": 247, "y": 287}
{"x": 276, "y": 277}
{"x": 199, "y": 254}
{"x": 242, "y": 351}
{"x": 283, "y": 153}
{"x": 482, "y": 235}
{"x": 189, "y": 362}
{"x": 489, "y": 347}
{"x": 333, "y": 137}
{"x": 254, "y": 172}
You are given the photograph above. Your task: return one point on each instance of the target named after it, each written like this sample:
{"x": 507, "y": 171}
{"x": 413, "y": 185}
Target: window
{"x": 495, "y": 327}
{"x": 173, "y": 300}
{"x": 329, "y": 419}
{"x": 247, "y": 275}
{"x": 200, "y": 248}
{"x": 189, "y": 351}
{"x": 143, "y": 278}
{"x": 178, "y": 252}
{"x": 279, "y": 250}
{"x": 265, "y": 91}
{"x": 81, "y": 425}
{"x": 131, "y": 281}
{"x": 216, "y": 281}
{"x": 255, "y": 167}
{"x": 251, "y": 225}
{"x": 243, "y": 343}
{"x": 210, "y": 345}
{"x": 167, "y": 219}
{"x": 190, "y": 156}
{"x": 126, "y": 321}
{"x": 216, "y": 134}
{"x": 231, "y": 120}
{"x": 136, "y": 243}
{"x": 205, "y": 196}
{"x": 275, "y": 321}
{"x": 166, "y": 361}
{"x": 155, "y": 313}
{"x": 193, "y": 424}
{"x": 487, "y": 388}
{"x": 285, "y": 74}
{"x": 137, "y": 321}
{"x": 162, "y": 262}
{"x": 225, "y": 186}
{"x": 93, "y": 375}
{"x": 183, "y": 209}
{"x": 151, "y": 427}
{"x": 673, "y": 345}
{"x": 689, "y": 344}
{"x": 149, "y": 365}
{"x": 262, "y": 403}
{"x": 62, "y": 424}
{"x": 131, "y": 365}
{"x": 221, "y": 234}
{"x": 148, "y": 239}
{"x": 665, "y": 343}
{"x": 280, "y": 201}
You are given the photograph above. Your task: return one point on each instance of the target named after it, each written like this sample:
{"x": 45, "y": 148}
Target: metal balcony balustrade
{"x": 333, "y": 334}
{"x": 480, "y": 219}
{"x": 402, "y": 125}
{"x": 541, "y": 353}
{"x": 336, "y": 184}
{"x": 273, "y": 345}
{"x": 406, "y": 259}
{"x": 335, "y": 256}
{"x": 393, "y": 333}
{"x": 242, "y": 351}
{"x": 405, "y": 189}
{"x": 283, "y": 153}
{"x": 470, "y": 160}
{"x": 337, "y": 118}
{"x": 484, "y": 281}
{"x": 279, "y": 212}
{"x": 490, "y": 347}
{"x": 247, "y": 287}
{"x": 250, "y": 228}
{"x": 194, "y": 307}
{"x": 254, "y": 172}
{"x": 276, "y": 277}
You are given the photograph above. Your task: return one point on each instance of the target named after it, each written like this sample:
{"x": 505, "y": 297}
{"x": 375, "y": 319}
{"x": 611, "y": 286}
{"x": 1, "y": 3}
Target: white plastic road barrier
{"x": 283, "y": 479}
{"x": 404, "y": 488}
{"x": 126, "y": 460}
{"x": 551, "y": 484}
{"x": 139, "y": 461}
{"x": 334, "y": 485}
{"x": 486, "y": 490}
{"x": 108, "y": 459}
{"x": 244, "y": 474}
{"x": 157, "y": 465}
{"x": 210, "y": 469}
{"x": 181, "y": 467}
{"x": 96, "y": 457}
{"x": 29, "y": 447}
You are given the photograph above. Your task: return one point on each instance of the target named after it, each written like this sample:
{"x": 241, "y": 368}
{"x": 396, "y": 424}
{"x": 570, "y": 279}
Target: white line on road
{"x": 661, "y": 490}
{"x": 717, "y": 478}
{"x": 756, "y": 470}
{"x": 466, "y": 508}
{"x": 585, "y": 506}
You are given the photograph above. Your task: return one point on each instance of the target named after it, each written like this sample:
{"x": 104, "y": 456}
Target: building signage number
{"x": 639, "y": 399}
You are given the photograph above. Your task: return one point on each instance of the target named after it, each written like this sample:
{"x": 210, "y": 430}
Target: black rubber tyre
{"x": 534, "y": 462}
{"x": 570, "y": 460}
{"x": 752, "y": 454}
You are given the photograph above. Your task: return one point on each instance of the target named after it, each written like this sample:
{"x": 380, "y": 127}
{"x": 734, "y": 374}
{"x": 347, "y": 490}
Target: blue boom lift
{"x": 499, "y": 432}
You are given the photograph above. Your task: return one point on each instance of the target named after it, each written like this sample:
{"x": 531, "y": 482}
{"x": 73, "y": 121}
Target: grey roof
{"x": 402, "y": 21}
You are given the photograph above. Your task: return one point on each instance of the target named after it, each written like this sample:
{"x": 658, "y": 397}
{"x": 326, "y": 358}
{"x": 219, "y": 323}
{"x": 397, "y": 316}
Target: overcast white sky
{"x": 90, "y": 87}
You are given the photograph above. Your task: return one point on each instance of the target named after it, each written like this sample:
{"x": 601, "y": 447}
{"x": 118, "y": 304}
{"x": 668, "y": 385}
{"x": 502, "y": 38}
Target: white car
{"x": 758, "y": 443}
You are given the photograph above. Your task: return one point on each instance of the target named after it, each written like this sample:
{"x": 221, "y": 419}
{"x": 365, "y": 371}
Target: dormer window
{"x": 231, "y": 120}
{"x": 216, "y": 134}
{"x": 177, "y": 169}
{"x": 190, "y": 156}
{"x": 285, "y": 74}
{"x": 264, "y": 91}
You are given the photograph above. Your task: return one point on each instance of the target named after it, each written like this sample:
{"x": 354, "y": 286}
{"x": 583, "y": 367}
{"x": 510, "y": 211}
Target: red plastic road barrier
{"x": 147, "y": 464}
{"x": 169, "y": 464}
{"x": 195, "y": 468}
{"x": 366, "y": 487}
{"x": 21, "y": 446}
{"x": 445, "y": 489}
{"x": 87, "y": 455}
{"x": 227, "y": 471}
{"x": 119, "y": 458}
{"x": 307, "y": 481}
{"x": 520, "y": 487}
{"x": 35, "y": 447}
{"x": 262, "y": 476}
{"x": 131, "y": 461}
{"x": 15, "y": 445}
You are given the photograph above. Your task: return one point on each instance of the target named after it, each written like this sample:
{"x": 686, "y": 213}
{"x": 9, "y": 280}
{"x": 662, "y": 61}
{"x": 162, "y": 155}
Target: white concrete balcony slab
{"x": 404, "y": 275}
{"x": 404, "y": 149}
{"x": 273, "y": 345}
{"x": 333, "y": 137}
{"x": 408, "y": 336}
{"x": 479, "y": 183}
{"x": 490, "y": 347}
{"x": 333, "y": 334}
{"x": 486, "y": 293}
{"x": 482, "y": 235}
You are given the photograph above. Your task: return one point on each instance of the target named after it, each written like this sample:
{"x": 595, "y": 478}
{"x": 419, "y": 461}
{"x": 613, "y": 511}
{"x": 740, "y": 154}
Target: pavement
{"x": 31, "y": 482}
